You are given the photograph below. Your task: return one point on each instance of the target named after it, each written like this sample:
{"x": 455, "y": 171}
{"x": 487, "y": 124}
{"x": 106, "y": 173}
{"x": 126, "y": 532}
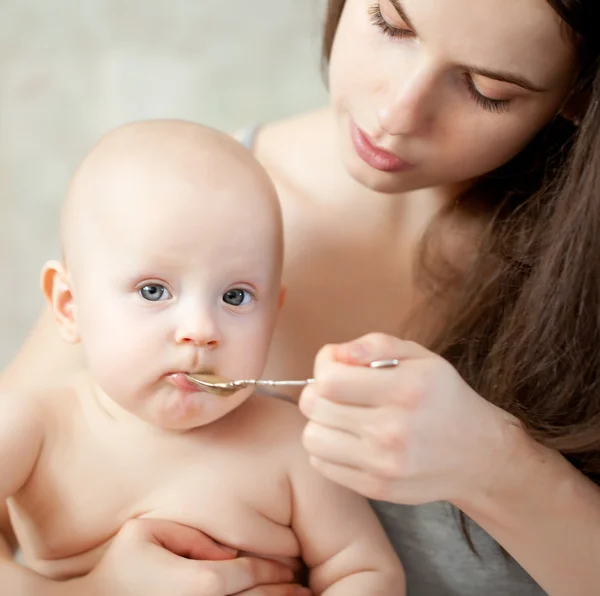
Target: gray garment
{"x": 429, "y": 542}
{"x": 438, "y": 561}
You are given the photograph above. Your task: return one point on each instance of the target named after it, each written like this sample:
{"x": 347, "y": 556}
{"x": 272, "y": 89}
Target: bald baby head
{"x": 161, "y": 175}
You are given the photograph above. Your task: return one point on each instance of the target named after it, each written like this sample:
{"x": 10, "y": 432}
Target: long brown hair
{"x": 524, "y": 327}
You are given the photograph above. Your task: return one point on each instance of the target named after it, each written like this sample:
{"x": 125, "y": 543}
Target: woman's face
{"x": 439, "y": 92}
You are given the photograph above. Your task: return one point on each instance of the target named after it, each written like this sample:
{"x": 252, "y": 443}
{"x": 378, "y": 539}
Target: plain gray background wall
{"x": 72, "y": 70}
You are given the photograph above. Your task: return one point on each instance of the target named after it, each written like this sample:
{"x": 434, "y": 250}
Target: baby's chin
{"x": 189, "y": 411}
{"x": 184, "y": 424}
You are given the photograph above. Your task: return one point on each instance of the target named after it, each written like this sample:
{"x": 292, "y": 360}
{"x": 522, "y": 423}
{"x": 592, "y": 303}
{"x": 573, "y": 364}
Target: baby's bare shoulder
{"x": 268, "y": 421}
{"x": 38, "y": 406}
{"x": 23, "y": 428}
{"x": 286, "y": 413}
{"x": 25, "y": 404}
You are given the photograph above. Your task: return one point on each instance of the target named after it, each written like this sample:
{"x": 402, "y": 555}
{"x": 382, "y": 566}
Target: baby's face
{"x": 189, "y": 282}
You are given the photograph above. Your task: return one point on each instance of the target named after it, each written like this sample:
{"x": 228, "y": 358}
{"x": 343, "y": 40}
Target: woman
{"x": 449, "y": 197}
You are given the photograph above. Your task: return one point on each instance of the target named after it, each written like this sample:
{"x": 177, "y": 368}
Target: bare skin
{"x": 265, "y": 499}
{"x": 154, "y": 289}
{"x": 356, "y": 274}
{"x": 351, "y": 238}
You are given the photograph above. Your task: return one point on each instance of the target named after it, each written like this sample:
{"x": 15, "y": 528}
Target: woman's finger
{"x": 355, "y": 385}
{"x": 334, "y": 415}
{"x": 333, "y": 445}
{"x": 376, "y": 346}
{"x": 185, "y": 541}
{"x": 357, "y": 480}
{"x": 245, "y": 573}
{"x": 278, "y": 590}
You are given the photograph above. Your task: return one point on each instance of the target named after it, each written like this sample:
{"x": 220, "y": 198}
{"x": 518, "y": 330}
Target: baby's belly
{"x": 63, "y": 551}
{"x": 66, "y": 567}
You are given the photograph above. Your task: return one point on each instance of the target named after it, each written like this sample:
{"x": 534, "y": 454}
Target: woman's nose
{"x": 406, "y": 103}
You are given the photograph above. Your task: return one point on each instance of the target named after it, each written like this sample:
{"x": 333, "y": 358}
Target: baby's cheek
{"x": 115, "y": 356}
{"x": 259, "y": 353}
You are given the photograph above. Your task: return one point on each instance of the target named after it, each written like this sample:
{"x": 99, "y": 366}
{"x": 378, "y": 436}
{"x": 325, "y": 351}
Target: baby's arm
{"x": 342, "y": 541}
{"x": 21, "y": 434}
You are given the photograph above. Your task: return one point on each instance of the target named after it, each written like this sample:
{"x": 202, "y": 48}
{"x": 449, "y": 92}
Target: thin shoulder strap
{"x": 247, "y": 136}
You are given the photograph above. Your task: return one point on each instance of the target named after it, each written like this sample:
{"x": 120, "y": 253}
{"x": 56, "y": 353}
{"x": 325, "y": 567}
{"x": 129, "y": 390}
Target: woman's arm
{"x": 546, "y": 514}
{"x": 45, "y": 357}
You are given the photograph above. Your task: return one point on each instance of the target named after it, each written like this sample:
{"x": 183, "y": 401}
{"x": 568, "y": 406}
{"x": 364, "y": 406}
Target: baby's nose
{"x": 199, "y": 330}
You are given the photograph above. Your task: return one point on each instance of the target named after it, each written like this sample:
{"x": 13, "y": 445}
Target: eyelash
{"x": 378, "y": 20}
{"x": 492, "y": 105}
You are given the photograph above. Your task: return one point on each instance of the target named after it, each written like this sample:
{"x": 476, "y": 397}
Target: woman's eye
{"x": 487, "y": 103}
{"x": 379, "y": 20}
{"x": 154, "y": 293}
{"x": 237, "y": 297}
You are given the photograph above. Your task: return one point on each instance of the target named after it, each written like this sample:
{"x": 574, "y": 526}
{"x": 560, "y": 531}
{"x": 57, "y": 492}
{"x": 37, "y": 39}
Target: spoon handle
{"x": 304, "y": 382}
{"x": 268, "y": 383}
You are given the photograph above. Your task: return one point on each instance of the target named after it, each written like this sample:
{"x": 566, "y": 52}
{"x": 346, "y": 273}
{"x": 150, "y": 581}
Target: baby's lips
{"x": 180, "y": 380}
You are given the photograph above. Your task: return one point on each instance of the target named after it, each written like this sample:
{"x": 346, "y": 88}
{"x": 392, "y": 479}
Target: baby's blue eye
{"x": 237, "y": 297}
{"x": 154, "y": 293}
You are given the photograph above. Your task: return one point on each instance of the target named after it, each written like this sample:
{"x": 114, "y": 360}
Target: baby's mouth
{"x": 180, "y": 380}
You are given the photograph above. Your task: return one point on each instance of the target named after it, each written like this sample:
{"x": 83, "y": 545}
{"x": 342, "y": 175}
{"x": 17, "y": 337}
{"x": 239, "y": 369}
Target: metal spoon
{"x": 223, "y": 387}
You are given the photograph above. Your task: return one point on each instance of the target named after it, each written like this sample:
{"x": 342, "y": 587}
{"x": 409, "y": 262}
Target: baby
{"x": 172, "y": 256}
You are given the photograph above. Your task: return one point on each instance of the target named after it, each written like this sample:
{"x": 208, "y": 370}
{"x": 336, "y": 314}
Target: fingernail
{"x": 231, "y": 551}
{"x": 357, "y": 351}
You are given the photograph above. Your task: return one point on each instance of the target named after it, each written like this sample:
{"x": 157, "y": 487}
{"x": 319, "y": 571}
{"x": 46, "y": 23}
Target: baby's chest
{"x": 77, "y": 500}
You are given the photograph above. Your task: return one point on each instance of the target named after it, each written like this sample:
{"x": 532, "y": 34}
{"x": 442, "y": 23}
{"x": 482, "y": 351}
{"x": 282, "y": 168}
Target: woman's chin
{"x": 381, "y": 182}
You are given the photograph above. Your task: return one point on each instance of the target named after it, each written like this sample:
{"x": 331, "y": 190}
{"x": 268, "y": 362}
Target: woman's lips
{"x": 377, "y": 158}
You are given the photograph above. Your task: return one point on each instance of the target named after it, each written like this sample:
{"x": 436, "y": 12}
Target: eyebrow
{"x": 504, "y": 77}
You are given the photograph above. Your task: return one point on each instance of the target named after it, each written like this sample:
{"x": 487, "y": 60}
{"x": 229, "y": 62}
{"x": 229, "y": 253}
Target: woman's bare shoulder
{"x": 295, "y": 150}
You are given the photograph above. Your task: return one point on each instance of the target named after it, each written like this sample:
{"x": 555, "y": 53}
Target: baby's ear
{"x": 282, "y": 294}
{"x": 56, "y": 287}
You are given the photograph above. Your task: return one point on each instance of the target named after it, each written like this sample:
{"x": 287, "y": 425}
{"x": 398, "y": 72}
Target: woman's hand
{"x": 152, "y": 557}
{"x": 410, "y": 434}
